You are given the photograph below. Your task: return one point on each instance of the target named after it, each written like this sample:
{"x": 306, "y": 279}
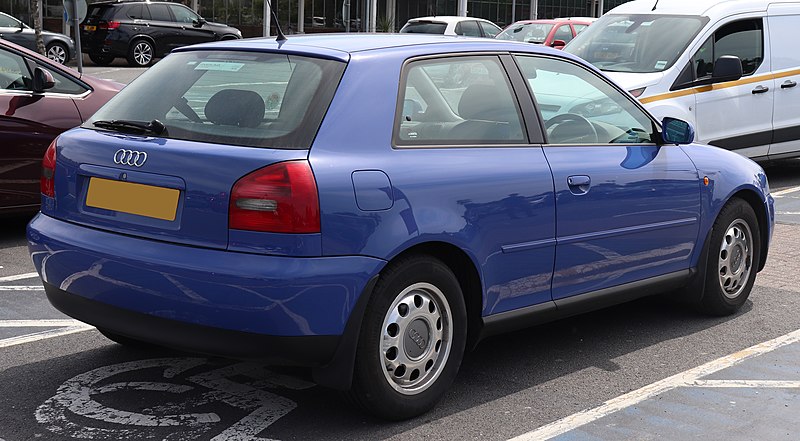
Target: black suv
{"x": 143, "y": 30}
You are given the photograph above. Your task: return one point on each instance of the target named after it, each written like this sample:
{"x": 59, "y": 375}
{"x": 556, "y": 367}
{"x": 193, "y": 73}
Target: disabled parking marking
{"x": 240, "y": 386}
{"x": 686, "y": 378}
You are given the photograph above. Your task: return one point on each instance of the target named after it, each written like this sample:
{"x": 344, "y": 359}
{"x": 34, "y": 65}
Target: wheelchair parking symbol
{"x": 182, "y": 400}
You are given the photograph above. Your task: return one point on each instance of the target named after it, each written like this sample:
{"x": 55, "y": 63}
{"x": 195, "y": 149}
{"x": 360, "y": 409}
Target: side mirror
{"x": 558, "y": 44}
{"x": 42, "y": 80}
{"x": 199, "y": 22}
{"x": 676, "y": 131}
{"x": 21, "y": 26}
{"x": 727, "y": 68}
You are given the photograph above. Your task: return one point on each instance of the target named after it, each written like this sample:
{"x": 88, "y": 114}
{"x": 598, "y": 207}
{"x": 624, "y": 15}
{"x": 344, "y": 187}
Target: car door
{"x": 736, "y": 115}
{"x": 783, "y": 23}
{"x": 627, "y": 208}
{"x": 189, "y": 30}
{"x": 163, "y": 28}
{"x": 462, "y": 112}
{"x": 28, "y": 123}
{"x": 10, "y": 30}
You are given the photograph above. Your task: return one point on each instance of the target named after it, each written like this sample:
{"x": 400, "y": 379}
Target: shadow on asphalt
{"x": 12, "y": 230}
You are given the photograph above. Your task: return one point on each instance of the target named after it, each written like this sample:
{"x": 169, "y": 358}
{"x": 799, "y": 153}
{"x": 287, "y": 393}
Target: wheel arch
{"x": 149, "y": 39}
{"x": 757, "y": 204}
{"x": 338, "y": 374}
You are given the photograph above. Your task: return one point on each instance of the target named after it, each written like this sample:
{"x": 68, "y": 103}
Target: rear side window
{"x": 138, "y": 12}
{"x": 457, "y": 101}
{"x": 159, "y": 12}
{"x": 423, "y": 27}
{"x": 238, "y": 98}
{"x": 489, "y": 29}
{"x": 468, "y": 28}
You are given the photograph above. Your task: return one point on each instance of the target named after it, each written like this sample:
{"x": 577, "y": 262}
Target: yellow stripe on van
{"x": 719, "y": 86}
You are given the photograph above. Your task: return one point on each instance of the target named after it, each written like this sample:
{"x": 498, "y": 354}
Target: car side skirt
{"x": 554, "y": 310}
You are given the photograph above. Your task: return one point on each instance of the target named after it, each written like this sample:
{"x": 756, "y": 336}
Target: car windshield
{"x": 238, "y": 98}
{"x": 636, "y": 43}
{"x": 527, "y": 32}
{"x": 423, "y": 27}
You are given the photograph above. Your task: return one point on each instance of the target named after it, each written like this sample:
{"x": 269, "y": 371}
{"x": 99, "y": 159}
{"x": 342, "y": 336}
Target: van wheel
{"x": 141, "y": 53}
{"x": 412, "y": 339}
{"x": 734, "y": 257}
{"x": 101, "y": 60}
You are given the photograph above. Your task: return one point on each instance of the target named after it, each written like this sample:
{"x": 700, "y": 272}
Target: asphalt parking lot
{"x": 646, "y": 370}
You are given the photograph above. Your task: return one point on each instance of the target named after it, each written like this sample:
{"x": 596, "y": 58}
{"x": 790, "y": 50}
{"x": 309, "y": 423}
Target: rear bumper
{"x": 204, "y": 300}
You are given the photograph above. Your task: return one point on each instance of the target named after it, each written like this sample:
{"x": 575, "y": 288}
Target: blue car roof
{"x": 341, "y": 46}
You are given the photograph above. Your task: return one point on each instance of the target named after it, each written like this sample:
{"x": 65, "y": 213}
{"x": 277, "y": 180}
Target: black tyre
{"x": 57, "y": 52}
{"x": 126, "y": 341}
{"x": 412, "y": 339}
{"x": 101, "y": 60}
{"x": 141, "y": 53}
{"x": 733, "y": 259}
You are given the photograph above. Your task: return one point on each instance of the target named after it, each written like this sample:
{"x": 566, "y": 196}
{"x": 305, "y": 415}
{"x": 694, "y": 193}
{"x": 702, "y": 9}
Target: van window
{"x": 743, "y": 39}
{"x": 638, "y": 43}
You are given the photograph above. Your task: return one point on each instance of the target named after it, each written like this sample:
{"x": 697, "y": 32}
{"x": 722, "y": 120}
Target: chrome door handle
{"x": 760, "y": 89}
{"x": 787, "y": 84}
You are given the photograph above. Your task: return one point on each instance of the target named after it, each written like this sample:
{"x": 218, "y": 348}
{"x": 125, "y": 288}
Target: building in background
{"x": 327, "y": 15}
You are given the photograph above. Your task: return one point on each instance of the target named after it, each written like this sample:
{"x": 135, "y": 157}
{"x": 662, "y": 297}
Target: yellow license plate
{"x": 128, "y": 197}
{"x": 90, "y": 28}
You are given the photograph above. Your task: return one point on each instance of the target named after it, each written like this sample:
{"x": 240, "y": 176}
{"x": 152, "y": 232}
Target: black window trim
{"x": 656, "y": 125}
{"x": 399, "y": 144}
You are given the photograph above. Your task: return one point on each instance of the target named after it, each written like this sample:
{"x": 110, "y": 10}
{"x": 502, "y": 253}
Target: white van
{"x": 667, "y": 53}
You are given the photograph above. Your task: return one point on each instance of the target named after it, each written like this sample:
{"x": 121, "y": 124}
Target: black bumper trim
{"x": 312, "y": 350}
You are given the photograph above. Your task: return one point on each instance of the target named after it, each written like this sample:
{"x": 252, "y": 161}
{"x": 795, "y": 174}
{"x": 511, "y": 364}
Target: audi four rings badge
{"x": 130, "y": 157}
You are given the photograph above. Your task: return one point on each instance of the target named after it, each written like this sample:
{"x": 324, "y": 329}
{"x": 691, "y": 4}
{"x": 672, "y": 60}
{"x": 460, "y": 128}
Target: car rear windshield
{"x": 423, "y": 27}
{"x": 99, "y": 12}
{"x": 250, "y": 99}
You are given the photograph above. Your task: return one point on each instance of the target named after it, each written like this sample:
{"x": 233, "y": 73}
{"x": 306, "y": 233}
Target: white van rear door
{"x": 784, "y": 31}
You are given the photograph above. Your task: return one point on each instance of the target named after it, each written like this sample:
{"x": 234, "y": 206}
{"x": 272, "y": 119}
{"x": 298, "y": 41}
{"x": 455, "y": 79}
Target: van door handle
{"x": 787, "y": 84}
{"x": 760, "y": 89}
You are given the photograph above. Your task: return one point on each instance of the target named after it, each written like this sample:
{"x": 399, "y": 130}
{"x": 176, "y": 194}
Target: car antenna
{"x": 280, "y": 36}
{"x": 654, "y": 6}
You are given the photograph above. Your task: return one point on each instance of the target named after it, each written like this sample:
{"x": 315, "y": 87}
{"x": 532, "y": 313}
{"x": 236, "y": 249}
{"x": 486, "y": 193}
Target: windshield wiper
{"x": 155, "y": 126}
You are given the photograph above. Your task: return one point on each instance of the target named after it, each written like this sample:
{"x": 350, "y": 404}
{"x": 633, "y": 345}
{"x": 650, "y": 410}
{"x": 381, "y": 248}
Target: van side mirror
{"x": 676, "y": 131}
{"x": 42, "y": 80}
{"x": 727, "y": 68}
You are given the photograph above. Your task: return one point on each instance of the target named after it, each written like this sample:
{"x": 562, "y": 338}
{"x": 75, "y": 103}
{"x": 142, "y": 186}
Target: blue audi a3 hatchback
{"x": 372, "y": 206}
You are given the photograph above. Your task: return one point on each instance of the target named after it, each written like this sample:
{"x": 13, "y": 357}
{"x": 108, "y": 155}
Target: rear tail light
{"x": 280, "y": 198}
{"x": 47, "y": 180}
{"x": 108, "y": 25}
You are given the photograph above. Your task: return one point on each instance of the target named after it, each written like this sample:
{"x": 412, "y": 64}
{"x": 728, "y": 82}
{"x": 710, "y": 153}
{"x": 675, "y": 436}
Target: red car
{"x": 39, "y": 99}
{"x": 554, "y": 33}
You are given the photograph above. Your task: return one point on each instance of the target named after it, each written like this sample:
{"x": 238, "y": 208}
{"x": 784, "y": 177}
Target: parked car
{"x": 554, "y": 33}
{"x": 39, "y": 99}
{"x": 142, "y": 31}
{"x": 451, "y": 25}
{"x": 221, "y": 203}
{"x": 728, "y": 67}
{"x": 58, "y": 47}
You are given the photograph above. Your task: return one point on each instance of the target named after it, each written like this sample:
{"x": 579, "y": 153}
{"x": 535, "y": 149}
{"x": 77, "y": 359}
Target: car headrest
{"x": 234, "y": 107}
{"x": 485, "y": 102}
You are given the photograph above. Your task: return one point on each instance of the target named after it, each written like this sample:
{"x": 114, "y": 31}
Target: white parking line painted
{"x": 21, "y": 288}
{"x": 30, "y": 338}
{"x": 777, "y": 384}
{"x": 49, "y": 323}
{"x": 785, "y": 191}
{"x": 19, "y": 277}
{"x": 685, "y": 378}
